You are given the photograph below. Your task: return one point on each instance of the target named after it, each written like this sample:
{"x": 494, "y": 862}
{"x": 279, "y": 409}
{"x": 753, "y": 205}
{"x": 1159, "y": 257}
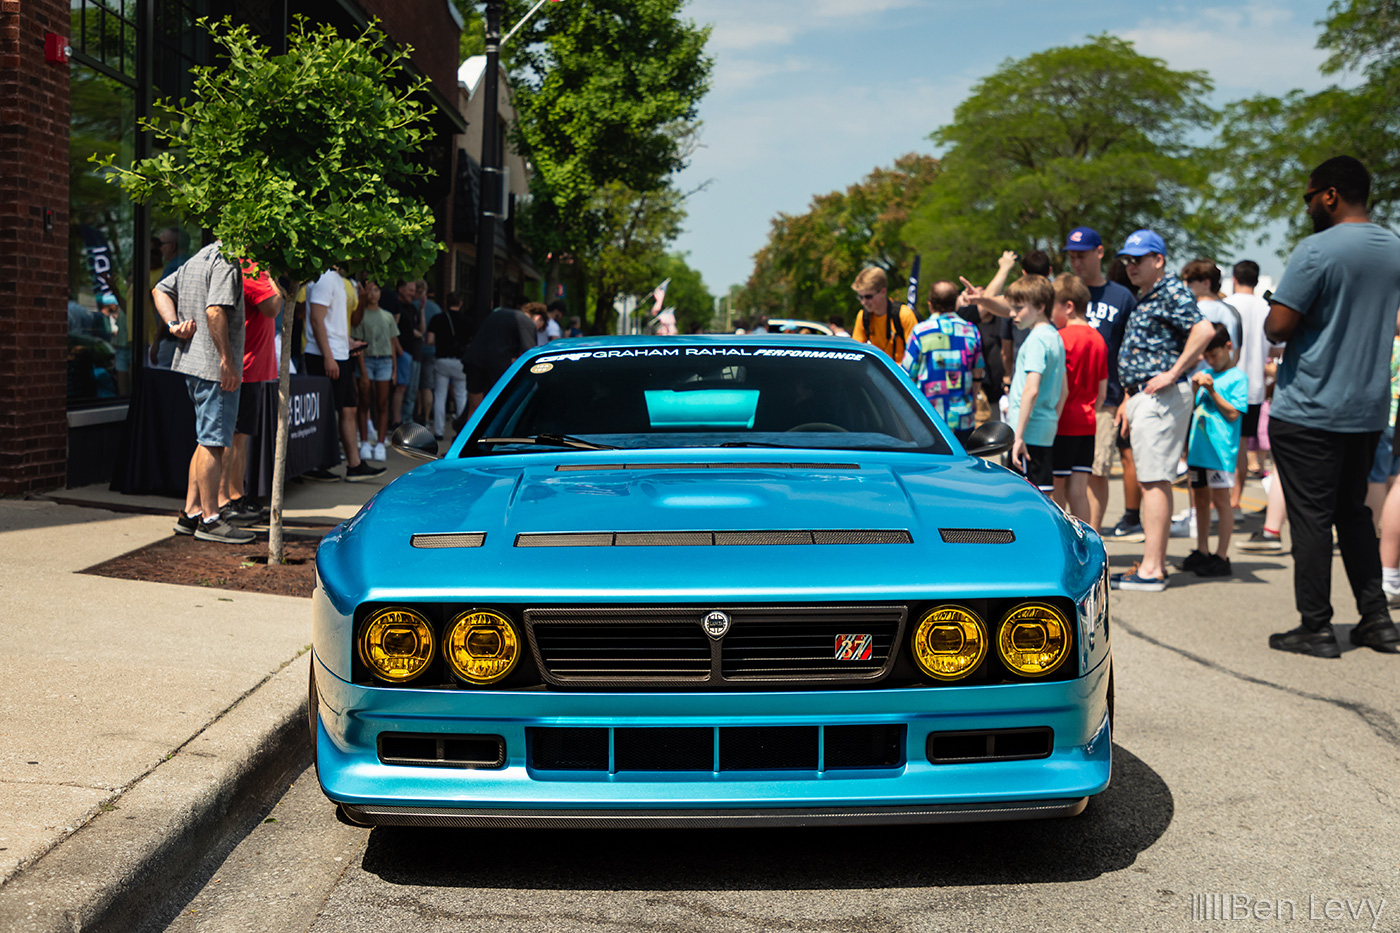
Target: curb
{"x": 123, "y": 869}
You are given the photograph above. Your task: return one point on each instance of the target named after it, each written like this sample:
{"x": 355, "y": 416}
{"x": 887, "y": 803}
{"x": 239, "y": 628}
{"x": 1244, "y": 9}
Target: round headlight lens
{"x": 950, "y": 642}
{"x": 396, "y": 644}
{"x": 481, "y": 646}
{"x": 1033, "y": 639}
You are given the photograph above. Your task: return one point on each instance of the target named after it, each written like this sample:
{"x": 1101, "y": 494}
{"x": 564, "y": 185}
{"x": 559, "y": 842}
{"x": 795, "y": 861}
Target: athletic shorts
{"x": 250, "y": 403}
{"x": 215, "y": 412}
{"x": 1039, "y": 468}
{"x": 1157, "y": 426}
{"x": 1105, "y": 436}
{"x": 342, "y": 386}
{"x": 1073, "y": 453}
{"x": 1201, "y": 478}
{"x": 1249, "y": 426}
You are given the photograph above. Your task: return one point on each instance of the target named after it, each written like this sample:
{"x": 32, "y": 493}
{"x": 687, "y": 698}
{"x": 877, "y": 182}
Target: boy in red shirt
{"x": 1086, "y": 384}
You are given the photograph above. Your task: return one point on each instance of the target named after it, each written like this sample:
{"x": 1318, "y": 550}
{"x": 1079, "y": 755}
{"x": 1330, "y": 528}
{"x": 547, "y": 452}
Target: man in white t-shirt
{"x": 1254, "y": 353}
{"x": 328, "y": 354}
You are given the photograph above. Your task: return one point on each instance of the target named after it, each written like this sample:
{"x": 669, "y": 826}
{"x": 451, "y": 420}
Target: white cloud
{"x": 740, "y": 25}
{"x": 1253, "y": 48}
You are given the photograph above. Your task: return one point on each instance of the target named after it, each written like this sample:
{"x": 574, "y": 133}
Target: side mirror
{"x": 987, "y": 440}
{"x": 414, "y": 440}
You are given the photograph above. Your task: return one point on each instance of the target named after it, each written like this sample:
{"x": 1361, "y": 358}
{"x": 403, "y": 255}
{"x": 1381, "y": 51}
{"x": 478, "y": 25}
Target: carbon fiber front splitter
{"x": 476, "y": 818}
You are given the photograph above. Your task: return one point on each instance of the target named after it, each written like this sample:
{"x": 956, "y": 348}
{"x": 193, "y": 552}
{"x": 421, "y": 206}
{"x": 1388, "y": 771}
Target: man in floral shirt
{"x": 1164, "y": 338}
{"x": 944, "y": 358}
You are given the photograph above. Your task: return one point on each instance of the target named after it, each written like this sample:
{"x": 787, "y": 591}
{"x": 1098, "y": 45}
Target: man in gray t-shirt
{"x": 202, "y": 304}
{"x": 1336, "y": 308}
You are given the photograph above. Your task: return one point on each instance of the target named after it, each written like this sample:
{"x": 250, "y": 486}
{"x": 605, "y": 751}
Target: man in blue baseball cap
{"x": 1164, "y": 337}
{"x": 1110, "y": 304}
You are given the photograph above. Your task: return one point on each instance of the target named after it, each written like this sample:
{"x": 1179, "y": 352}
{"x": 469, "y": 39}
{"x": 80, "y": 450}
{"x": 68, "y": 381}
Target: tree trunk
{"x": 276, "y": 553}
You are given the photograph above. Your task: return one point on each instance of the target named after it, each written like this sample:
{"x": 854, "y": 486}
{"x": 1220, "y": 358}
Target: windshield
{"x": 700, "y": 396}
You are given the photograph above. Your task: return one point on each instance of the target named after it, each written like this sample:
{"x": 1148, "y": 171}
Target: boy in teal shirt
{"x": 1222, "y": 395}
{"x": 1038, "y": 388}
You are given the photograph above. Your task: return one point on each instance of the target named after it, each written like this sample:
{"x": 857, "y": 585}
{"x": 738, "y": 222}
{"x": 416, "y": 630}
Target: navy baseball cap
{"x": 1142, "y": 242}
{"x": 1082, "y": 239}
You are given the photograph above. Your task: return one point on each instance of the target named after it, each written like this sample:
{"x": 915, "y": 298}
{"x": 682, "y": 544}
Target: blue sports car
{"x": 699, "y": 581}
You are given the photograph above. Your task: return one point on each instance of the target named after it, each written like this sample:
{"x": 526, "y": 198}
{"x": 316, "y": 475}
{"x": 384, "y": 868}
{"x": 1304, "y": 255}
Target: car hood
{"x": 914, "y": 501}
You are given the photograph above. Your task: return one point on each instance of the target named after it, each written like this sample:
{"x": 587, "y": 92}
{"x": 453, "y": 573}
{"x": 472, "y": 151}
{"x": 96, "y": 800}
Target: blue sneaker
{"x": 1132, "y": 580}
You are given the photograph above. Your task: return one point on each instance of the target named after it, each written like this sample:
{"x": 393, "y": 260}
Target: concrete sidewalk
{"x": 134, "y": 715}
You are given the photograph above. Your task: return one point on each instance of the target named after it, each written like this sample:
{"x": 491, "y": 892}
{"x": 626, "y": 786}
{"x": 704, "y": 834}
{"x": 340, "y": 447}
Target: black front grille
{"x": 721, "y": 749}
{"x": 946, "y": 748}
{"x": 615, "y": 650}
{"x": 781, "y": 647}
{"x": 668, "y": 645}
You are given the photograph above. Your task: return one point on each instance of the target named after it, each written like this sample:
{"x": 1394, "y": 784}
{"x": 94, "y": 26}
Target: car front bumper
{"x": 350, "y": 718}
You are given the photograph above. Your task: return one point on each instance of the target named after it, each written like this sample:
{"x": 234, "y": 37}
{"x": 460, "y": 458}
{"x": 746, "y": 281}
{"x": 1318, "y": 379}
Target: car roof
{"x": 816, "y": 341}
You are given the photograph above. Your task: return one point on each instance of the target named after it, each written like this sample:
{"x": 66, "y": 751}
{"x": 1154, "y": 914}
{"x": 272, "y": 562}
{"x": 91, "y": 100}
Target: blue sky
{"x": 809, "y": 96}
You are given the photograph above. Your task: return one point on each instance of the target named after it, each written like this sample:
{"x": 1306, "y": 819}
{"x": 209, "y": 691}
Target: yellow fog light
{"x": 481, "y": 646}
{"x": 396, "y": 644}
{"x": 1034, "y": 639}
{"x": 950, "y": 642}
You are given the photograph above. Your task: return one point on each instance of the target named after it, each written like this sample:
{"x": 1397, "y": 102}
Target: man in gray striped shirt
{"x": 202, "y": 304}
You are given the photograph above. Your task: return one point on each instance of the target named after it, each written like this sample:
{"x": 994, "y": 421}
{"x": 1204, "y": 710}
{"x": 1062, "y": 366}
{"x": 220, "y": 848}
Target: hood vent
{"x": 977, "y": 535}
{"x": 454, "y": 539}
{"x": 614, "y": 467}
{"x": 709, "y": 538}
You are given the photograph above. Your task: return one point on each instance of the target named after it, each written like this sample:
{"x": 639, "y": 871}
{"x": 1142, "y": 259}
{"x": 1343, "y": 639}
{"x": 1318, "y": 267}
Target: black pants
{"x": 1324, "y": 482}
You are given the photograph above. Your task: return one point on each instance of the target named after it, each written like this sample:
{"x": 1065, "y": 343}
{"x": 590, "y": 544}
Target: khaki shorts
{"x": 1105, "y": 440}
{"x": 1157, "y": 431}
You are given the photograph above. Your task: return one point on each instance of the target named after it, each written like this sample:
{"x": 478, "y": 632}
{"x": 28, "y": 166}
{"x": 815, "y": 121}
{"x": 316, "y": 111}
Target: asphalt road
{"x": 1265, "y": 778}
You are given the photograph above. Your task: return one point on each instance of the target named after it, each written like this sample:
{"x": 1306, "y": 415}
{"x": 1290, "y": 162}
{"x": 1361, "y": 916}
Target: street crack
{"x": 1378, "y": 721}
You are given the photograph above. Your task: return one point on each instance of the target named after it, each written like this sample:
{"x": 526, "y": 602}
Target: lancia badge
{"x": 716, "y": 624}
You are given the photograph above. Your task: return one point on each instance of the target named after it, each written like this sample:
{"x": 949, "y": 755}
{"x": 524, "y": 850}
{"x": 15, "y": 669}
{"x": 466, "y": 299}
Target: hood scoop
{"x": 977, "y": 535}
{"x": 711, "y": 538}
{"x": 614, "y": 467}
{"x": 454, "y": 539}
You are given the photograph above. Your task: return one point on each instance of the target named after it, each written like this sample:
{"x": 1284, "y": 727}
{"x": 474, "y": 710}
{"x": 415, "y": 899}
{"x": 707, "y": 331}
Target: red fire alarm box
{"x": 56, "y": 48}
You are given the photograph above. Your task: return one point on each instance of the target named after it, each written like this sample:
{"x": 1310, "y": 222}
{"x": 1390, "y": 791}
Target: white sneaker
{"x": 379, "y": 453}
{"x": 1184, "y": 527}
{"x": 366, "y": 452}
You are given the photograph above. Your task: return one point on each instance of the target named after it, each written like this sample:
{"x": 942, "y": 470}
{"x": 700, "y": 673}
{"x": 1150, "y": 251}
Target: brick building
{"x": 77, "y": 259}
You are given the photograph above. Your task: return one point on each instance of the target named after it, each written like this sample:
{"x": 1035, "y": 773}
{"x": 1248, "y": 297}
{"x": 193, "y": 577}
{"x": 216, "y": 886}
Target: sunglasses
{"x": 867, "y": 296}
{"x": 1134, "y": 260}
{"x": 1309, "y": 195}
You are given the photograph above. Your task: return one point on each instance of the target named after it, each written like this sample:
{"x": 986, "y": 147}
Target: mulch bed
{"x": 184, "y": 560}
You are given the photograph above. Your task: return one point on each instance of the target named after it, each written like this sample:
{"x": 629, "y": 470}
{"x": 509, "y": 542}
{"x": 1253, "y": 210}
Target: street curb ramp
{"x": 134, "y": 864}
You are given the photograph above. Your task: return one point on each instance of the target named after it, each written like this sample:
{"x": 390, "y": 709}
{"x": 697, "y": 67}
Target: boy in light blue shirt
{"x": 1037, "y": 391}
{"x": 1222, "y": 396}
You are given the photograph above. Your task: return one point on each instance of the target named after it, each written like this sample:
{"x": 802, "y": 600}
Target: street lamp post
{"x": 491, "y": 196}
{"x": 489, "y": 200}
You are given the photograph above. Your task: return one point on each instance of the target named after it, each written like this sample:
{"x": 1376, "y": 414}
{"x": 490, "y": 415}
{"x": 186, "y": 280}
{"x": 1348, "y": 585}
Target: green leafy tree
{"x": 297, "y": 162}
{"x": 806, "y": 267}
{"x": 1094, "y": 134}
{"x": 1271, "y": 143}
{"x": 625, "y": 261}
{"x": 694, "y": 304}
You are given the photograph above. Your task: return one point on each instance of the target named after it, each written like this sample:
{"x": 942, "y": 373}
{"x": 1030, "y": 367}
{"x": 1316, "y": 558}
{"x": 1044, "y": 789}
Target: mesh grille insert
{"x": 442, "y": 751}
{"x": 977, "y": 535}
{"x": 611, "y": 467}
{"x": 569, "y": 749}
{"x": 755, "y": 537}
{"x": 677, "y": 749}
{"x": 768, "y": 748}
{"x": 864, "y": 747}
{"x": 455, "y": 539}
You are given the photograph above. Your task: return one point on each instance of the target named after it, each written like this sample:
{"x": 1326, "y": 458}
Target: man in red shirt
{"x": 263, "y": 303}
{"x": 1086, "y": 384}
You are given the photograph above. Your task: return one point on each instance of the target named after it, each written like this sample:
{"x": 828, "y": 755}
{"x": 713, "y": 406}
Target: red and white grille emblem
{"x": 853, "y": 647}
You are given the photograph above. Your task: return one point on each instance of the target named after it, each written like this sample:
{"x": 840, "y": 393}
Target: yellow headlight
{"x": 950, "y": 642}
{"x": 396, "y": 644}
{"x": 1034, "y": 639}
{"x": 481, "y": 646}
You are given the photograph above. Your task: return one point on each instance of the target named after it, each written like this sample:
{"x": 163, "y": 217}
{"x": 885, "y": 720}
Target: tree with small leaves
{"x": 297, "y": 163}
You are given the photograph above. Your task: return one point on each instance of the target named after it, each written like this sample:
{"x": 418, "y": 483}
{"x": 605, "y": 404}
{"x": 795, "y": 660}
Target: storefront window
{"x": 101, "y": 238}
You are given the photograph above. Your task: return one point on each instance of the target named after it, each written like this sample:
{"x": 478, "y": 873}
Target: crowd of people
{"x": 1182, "y": 382}
{"x": 391, "y": 356}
